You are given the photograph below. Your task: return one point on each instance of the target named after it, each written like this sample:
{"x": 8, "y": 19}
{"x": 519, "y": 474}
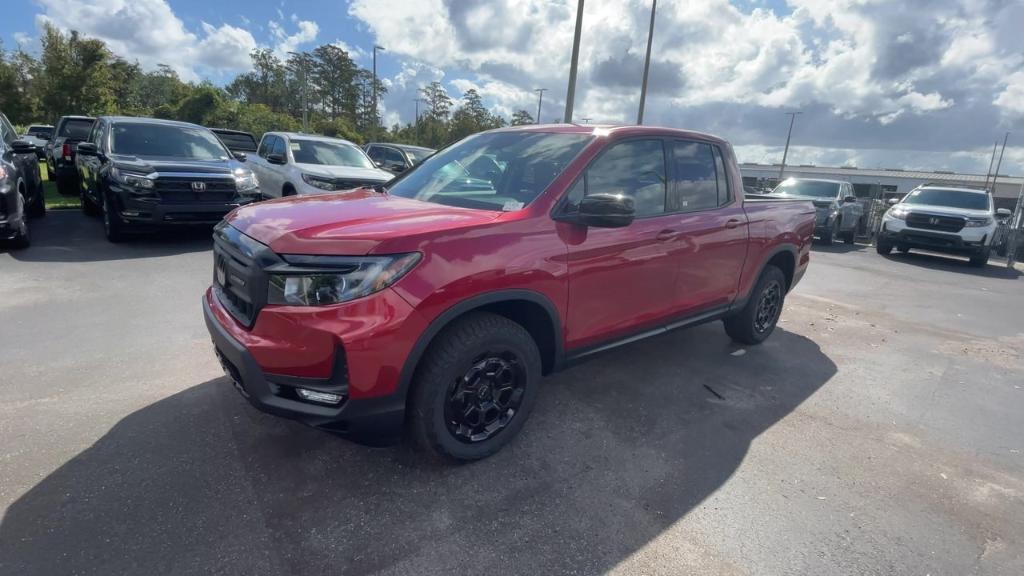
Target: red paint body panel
{"x": 602, "y": 283}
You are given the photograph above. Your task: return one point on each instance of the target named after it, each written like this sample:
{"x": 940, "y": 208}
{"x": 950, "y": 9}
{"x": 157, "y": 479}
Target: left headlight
{"x": 246, "y": 181}
{"x": 323, "y": 280}
{"x": 979, "y": 222}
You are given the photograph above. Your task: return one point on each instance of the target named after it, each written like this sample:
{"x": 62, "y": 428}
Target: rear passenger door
{"x": 621, "y": 279}
{"x": 270, "y": 180}
{"x": 711, "y": 223}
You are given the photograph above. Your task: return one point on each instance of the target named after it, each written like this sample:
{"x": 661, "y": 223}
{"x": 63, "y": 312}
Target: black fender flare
{"x": 741, "y": 300}
{"x": 448, "y": 316}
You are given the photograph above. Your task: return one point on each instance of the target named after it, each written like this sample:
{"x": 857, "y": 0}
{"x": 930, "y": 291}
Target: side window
{"x": 635, "y": 168}
{"x": 724, "y": 193}
{"x": 264, "y": 148}
{"x": 97, "y": 134}
{"x": 6, "y": 131}
{"x": 279, "y": 147}
{"x": 695, "y": 177}
{"x": 392, "y": 156}
{"x": 375, "y": 153}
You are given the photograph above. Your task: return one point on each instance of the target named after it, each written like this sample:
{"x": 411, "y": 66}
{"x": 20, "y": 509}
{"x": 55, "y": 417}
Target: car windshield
{"x": 418, "y": 155}
{"x": 329, "y": 153}
{"x": 165, "y": 141}
{"x": 40, "y": 131}
{"x": 76, "y": 129}
{"x": 492, "y": 171}
{"x": 807, "y": 189}
{"x": 948, "y": 198}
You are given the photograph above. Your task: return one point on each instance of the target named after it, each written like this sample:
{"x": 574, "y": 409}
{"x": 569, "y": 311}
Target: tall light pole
{"x": 998, "y": 164}
{"x": 540, "y": 100}
{"x": 301, "y": 57}
{"x": 570, "y": 94}
{"x": 785, "y": 153}
{"x": 373, "y": 131}
{"x": 647, "y": 65}
{"x": 991, "y": 163}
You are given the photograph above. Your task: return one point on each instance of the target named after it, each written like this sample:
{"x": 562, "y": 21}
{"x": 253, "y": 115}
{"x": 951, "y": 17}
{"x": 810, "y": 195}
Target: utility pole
{"x": 785, "y": 153}
{"x": 540, "y": 100}
{"x": 647, "y": 65}
{"x": 570, "y": 95}
{"x": 373, "y": 131}
{"x": 990, "y": 163}
{"x": 998, "y": 164}
{"x": 301, "y": 57}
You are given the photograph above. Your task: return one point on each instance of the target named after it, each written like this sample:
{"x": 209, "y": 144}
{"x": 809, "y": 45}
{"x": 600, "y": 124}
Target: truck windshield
{"x": 329, "y": 153}
{"x": 493, "y": 171}
{"x": 949, "y": 198}
{"x": 807, "y": 189}
{"x": 165, "y": 141}
{"x": 76, "y": 129}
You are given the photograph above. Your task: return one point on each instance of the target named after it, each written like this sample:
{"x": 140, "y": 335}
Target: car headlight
{"x": 979, "y": 222}
{"x": 319, "y": 182}
{"x": 898, "y": 213}
{"x": 132, "y": 180}
{"x": 246, "y": 181}
{"x": 323, "y": 280}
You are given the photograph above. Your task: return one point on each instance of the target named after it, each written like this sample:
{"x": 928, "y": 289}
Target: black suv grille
{"x": 181, "y": 190}
{"x": 238, "y": 272}
{"x": 935, "y": 222}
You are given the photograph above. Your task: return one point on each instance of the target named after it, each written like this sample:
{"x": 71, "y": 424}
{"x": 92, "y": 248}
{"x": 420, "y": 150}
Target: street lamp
{"x": 647, "y": 65}
{"x": 540, "y": 99}
{"x": 373, "y": 131}
{"x": 792, "y": 118}
{"x": 570, "y": 94}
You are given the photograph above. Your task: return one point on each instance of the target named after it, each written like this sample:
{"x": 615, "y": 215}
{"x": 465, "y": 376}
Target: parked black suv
{"x": 142, "y": 173}
{"x": 21, "y": 188}
{"x": 60, "y": 152}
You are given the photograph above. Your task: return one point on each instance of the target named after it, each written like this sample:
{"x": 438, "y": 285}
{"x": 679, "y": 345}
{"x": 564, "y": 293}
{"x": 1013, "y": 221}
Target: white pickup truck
{"x": 838, "y": 212}
{"x": 940, "y": 219}
{"x": 289, "y": 164}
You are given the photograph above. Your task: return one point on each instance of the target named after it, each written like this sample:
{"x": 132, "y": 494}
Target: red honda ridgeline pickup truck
{"x": 437, "y": 302}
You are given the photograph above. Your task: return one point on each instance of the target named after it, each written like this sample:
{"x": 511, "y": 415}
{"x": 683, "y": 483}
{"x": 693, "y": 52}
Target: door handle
{"x": 666, "y": 235}
{"x": 733, "y": 223}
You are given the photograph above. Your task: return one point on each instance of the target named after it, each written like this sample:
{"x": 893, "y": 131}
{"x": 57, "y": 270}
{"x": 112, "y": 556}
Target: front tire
{"x": 830, "y": 233}
{"x": 474, "y": 388}
{"x": 38, "y": 207}
{"x": 757, "y": 320}
{"x": 981, "y": 260}
{"x": 883, "y": 247}
{"x": 849, "y": 237}
{"x": 113, "y": 227}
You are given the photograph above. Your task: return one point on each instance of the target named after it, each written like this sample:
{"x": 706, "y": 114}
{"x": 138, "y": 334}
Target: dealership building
{"x": 892, "y": 182}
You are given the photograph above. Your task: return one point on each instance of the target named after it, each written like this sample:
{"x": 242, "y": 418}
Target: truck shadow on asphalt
{"x": 70, "y": 236}
{"x": 619, "y": 449}
{"x": 838, "y": 247}
{"x": 994, "y": 269}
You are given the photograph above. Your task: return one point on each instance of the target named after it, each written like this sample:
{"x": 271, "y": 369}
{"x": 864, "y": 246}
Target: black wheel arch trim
{"x": 741, "y": 300}
{"x": 451, "y": 314}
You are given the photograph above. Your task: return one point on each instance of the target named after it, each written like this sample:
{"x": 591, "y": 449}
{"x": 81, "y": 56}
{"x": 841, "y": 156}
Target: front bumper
{"x": 966, "y": 241}
{"x": 151, "y": 212}
{"x": 328, "y": 349}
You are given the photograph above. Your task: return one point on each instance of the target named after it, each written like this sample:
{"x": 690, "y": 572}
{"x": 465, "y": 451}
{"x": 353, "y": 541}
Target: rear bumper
{"x": 376, "y": 420}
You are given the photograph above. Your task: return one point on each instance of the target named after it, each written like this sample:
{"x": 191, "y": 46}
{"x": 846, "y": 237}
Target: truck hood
{"x": 148, "y": 165}
{"x": 350, "y": 223}
{"x": 346, "y": 172}
{"x": 945, "y": 210}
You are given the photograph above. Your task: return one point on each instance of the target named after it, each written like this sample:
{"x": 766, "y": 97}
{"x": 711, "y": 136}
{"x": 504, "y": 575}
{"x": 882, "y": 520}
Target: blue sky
{"x": 917, "y": 83}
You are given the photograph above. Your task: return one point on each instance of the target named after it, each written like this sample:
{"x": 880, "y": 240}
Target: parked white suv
{"x": 288, "y": 164}
{"x": 952, "y": 220}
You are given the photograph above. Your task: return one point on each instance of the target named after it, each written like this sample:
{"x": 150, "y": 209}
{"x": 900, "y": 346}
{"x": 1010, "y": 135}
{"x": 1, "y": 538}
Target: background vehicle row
{"x": 289, "y": 164}
{"x": 21, "y": 186}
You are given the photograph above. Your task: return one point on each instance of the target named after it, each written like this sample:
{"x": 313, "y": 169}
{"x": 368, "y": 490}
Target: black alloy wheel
{"x": 768, "y": 308}
{"x": 483, "y": 401}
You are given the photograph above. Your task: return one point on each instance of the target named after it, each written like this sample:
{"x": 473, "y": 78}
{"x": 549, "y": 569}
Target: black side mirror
{"x": 396, "y": 167}
{"x": 87, "y": 149}
{"x": 849, "y": 199}
{"x": 240, "y": 156}
{"x": 23, "y": 147}
{"x": 606, "y": 210}
{"x": 277, "y": 159}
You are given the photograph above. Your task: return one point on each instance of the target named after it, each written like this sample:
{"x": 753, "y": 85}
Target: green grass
{"x": 54, "y": 201}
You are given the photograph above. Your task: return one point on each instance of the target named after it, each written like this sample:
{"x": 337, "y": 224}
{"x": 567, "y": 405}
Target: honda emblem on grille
{"x": 933, "y": 221}
{"x": 199, "y": 186}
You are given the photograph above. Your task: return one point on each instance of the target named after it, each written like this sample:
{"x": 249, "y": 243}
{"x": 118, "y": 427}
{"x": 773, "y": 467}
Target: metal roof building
{"x": 893, "y": 182}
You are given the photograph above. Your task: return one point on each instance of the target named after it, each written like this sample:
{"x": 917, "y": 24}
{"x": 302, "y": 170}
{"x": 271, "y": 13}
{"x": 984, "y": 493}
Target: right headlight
{"x": 323, "y": 280}
{"x": 978, "y": 222}
{"x": 132, "y": 180}
{"x": 898, "y": 212}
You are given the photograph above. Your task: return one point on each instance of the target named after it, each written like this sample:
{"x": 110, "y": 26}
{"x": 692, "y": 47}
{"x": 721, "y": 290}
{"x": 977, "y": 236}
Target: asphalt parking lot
{"x": 880, "y": 430}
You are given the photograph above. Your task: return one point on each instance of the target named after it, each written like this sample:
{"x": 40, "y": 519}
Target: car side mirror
{"x": 240, "y": 156}
{"x": 277, "y": 159}
{"x": 87, "y": 149}
{"x": 22, "y": 147}
{"x": 396, "y": 167}
{"x": 849, "y": 199}
{"x": 894, "y": 201}
{"x": 1003, "y": 213}
{"x": 379, "y": 164}
{"x": 606, "y": 210}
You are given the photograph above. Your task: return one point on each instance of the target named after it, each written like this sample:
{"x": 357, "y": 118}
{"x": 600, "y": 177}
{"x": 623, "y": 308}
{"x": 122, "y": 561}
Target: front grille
{"x": 926, "y": 221}
{"x": 180, "y": 190}
{"x": 238, "y": 272}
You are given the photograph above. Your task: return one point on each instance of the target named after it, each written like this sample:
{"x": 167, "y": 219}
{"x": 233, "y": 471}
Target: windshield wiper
{"x": 379, "y": 188}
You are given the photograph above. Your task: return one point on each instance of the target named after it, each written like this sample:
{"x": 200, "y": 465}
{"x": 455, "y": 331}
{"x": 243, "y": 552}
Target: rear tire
{"x": 981, "y": 260}
{"x": 758, "y": 319}
{"x": 67, "y": 186}
{"x": 883, "y": 247}
{"x": 474, "y": 388}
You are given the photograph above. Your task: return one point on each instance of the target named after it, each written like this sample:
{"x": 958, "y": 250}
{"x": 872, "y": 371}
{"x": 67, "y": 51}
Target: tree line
{"x": 78, "y": 75}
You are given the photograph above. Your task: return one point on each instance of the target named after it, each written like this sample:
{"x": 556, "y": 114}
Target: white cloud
{"x": 285, "y": 43}
{"x": 150, "y": 32}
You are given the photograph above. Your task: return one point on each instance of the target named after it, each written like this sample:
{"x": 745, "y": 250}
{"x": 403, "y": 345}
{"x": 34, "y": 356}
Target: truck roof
{"x": 952, "y": 188}
{"x": 304, "y": 136}
{"x": 619, "y": 130}
{"x": 142, "y": 120}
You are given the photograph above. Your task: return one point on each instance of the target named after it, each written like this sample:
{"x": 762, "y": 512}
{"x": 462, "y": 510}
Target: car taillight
{"x": 66, "y": 151}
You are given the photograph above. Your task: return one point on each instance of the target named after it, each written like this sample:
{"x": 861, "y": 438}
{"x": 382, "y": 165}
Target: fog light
{"x": 314, "y": 396}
